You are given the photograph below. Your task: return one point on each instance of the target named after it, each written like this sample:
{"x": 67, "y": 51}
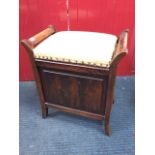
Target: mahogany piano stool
{"x": 75, "y": 71}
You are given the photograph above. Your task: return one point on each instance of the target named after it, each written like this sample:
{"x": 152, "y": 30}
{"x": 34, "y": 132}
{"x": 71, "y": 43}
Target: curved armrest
{"x": 38, "y": 38}
{"x": 120, "y": 48}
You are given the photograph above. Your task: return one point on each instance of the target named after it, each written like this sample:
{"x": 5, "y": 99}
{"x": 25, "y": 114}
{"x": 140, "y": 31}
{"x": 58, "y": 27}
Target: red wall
{"x": 109, "y": 16}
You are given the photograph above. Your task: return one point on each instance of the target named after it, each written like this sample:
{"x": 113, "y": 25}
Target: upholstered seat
{"x": 90, "y": 48}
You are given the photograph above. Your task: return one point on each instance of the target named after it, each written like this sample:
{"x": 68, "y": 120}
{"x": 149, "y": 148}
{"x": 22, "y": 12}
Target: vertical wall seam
{"x": 67, "y": 15}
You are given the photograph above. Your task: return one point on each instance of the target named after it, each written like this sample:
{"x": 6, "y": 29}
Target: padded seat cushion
{"x": 90, "y": 48}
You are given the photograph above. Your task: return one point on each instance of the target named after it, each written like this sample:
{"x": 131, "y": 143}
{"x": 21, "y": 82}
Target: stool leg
{"x": 44, "y": 112}
{"x": 110, "y": 99}
{"x": 107, "y": 127}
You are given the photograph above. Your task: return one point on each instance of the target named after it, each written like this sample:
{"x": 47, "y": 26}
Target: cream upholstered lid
{"x": 90, "y": 48}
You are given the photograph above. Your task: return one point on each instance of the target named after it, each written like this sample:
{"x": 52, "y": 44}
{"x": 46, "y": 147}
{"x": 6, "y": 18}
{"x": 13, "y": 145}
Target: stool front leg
{"x": 107, "y": 127}
{"x": 109, "y": 99}
{"x": 29, "y": 45}
{"x": 44, "y": 109}
{"x": 118, "y": 54}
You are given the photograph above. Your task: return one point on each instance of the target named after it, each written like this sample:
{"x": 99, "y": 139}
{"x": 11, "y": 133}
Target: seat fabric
{"x": 90, "y": 48}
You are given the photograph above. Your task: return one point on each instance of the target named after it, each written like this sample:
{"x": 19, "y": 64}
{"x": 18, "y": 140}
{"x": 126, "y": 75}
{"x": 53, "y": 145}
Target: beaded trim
{"x": 41, "y": 56}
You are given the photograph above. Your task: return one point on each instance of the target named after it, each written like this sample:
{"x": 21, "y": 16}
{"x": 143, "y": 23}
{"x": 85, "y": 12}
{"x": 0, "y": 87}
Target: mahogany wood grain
{"x": 74, "y": 90}
{"x": 121, "y": 48}
{"x": 38, "y": 38}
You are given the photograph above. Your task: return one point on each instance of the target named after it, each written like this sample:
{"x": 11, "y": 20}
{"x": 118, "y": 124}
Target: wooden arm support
{"x": 121, "y": 48}
{"x": 118, "y": 54}
{"x": 38, "y": 38}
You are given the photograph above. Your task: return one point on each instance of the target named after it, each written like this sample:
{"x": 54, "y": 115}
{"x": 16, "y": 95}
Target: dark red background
{"x": 109, "y": 16}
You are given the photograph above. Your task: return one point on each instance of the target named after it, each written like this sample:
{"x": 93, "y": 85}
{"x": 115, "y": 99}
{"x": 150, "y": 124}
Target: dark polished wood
{"x": 76, "y": 111}
{"x": 85, "y": 69}
{"x": 76, "y": 88}
{"x": 29, "y": 45}
{"x": 38, "y": 38}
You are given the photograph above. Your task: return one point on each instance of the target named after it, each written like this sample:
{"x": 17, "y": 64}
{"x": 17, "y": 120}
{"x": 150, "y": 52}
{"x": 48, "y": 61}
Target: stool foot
{"x": 107, "y": 129}
{"x": 44, "y": 112}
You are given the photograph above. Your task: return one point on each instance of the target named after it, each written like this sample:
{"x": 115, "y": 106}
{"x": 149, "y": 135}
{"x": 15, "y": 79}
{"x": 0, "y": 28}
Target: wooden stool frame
{"x": 77, "y": 72}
